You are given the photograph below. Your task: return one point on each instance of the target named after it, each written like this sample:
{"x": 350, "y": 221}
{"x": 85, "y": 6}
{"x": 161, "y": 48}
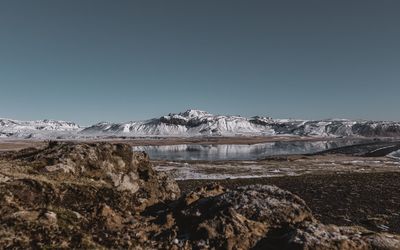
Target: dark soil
{"x": 371, "y": 200}
{"x": 376, "y": 148}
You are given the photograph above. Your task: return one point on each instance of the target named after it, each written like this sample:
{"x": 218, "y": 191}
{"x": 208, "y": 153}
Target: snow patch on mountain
{"x": 188, "y": 123}
{"x": 202, "y": 123}
{"x": 37, "y": 129}
{"x": 199, "y": 123}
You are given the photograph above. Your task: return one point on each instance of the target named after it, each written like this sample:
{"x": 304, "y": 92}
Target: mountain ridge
{"x": 199, "y": 123}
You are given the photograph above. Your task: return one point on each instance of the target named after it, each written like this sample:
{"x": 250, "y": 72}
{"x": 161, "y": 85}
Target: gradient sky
{"x": 94, "y": 60}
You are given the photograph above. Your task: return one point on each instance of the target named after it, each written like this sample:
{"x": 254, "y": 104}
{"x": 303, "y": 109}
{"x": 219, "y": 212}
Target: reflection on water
{"x": 188, "y": 152}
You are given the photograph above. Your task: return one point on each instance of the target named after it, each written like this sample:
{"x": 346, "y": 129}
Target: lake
{"x": 207, "y": 152}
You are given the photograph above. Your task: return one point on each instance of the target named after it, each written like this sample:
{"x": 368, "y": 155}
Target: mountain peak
{"x": 194, "y": 113}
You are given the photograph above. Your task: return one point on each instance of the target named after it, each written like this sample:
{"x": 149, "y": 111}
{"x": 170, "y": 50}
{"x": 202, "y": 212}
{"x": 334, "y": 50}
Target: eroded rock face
{"x": 101, "y": 195}
{"x": 87, "y": 191}
{"x": 103, "y": 163}
{"x": 239, "y": 218}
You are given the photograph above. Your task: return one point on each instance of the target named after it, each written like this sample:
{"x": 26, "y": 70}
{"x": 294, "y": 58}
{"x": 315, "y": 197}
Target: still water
{"x": 196, "y": 152}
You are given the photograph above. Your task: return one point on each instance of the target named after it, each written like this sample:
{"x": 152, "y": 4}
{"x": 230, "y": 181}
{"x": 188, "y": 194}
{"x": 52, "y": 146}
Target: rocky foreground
{"x": 101, "y": 195}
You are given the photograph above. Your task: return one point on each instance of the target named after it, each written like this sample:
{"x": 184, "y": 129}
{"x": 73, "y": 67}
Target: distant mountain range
{"x": 199, "y": 123}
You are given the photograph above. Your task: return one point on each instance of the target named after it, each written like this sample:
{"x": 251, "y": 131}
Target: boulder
{"x": 236, "y": 219}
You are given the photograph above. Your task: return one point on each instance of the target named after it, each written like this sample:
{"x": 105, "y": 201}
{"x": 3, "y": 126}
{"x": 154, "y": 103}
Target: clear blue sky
{"x": 94, "y": 60}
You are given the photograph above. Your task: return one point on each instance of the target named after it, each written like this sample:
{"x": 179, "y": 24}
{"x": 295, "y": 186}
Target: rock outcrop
{"x": 101, "y": 195}
{"x": 77, "y": 195}
{"x": 258, "y": 217}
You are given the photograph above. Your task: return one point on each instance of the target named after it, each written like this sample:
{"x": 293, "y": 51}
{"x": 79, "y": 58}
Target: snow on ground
{"x": 208, "y": 171}
{"x": 186, "y": 170}
{"x": 395, "y": 155}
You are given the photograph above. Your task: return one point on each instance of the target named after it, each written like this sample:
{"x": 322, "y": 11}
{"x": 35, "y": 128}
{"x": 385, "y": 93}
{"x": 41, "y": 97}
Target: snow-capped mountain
{"x": 36, "y": 129}
{"x": 200, "y": 123}
{"x": 188, "y": 123}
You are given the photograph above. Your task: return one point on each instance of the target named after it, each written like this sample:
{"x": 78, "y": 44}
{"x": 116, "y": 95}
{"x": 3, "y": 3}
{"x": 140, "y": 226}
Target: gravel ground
{"x": 371, "y": 200}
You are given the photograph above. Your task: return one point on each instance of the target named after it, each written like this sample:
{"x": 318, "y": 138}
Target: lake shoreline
{"x": 13, "y": 144}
